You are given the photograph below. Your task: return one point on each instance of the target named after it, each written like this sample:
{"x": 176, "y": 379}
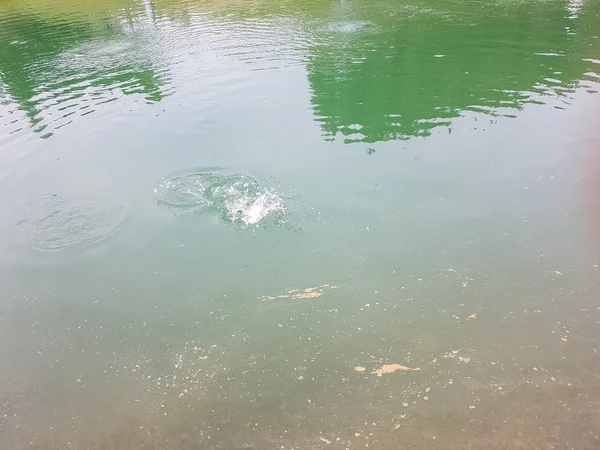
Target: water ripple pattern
{"x": 377, "y": 71}
{"x": 392, "y": 71}
{"x": 55, "y": 222}
{"x": 55, "y": 70}
{"x": 238, "y": 198}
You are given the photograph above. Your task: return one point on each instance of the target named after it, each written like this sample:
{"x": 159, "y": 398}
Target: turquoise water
{"x": 221, "y": 219}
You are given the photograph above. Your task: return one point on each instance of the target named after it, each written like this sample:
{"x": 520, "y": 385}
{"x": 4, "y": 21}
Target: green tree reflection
{"x": 69, "y": 66}
{"x": 388, "y": 72}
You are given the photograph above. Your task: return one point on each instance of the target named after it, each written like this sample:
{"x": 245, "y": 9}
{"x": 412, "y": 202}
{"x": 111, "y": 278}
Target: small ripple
{"x": 549, "y": 54}
{"x": 55, "y": 222}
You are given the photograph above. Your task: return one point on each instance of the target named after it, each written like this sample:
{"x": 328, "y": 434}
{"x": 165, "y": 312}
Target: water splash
{"x": 251, "y": 210}
{"x": 238, "y": 198}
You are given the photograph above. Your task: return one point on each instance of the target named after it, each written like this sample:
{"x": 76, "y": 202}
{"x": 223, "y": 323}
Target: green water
{"x": 215, "y": 214}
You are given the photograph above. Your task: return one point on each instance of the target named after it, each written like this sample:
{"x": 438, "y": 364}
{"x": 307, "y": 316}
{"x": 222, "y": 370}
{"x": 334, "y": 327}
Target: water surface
{"x": 220, "y": 219}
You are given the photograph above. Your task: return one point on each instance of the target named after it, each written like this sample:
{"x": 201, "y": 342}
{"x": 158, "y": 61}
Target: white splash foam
{"x": 238, "y": 197}
{"x": 252, "y": 209}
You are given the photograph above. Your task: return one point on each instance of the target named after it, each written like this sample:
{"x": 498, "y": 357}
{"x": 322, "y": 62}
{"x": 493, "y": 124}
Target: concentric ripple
{"x": 55, "y": 223}
{"x": 237, "y": 197}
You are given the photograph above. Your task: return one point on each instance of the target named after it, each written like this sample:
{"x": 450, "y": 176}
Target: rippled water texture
{"x": 57, "y": 223}
{"x": 369, "y": 65}
{"x": 316, "y": 224}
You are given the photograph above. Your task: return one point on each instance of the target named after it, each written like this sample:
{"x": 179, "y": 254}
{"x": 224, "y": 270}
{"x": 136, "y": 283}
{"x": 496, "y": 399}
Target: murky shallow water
{"x": 221, "y": 220}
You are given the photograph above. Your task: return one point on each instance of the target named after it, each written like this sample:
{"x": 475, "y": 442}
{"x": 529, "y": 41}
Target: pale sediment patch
{"x": 311, "y": 292}
{"x": 391, "y": 368}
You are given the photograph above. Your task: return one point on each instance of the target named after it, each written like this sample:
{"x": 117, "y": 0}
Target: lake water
{"x": 320, "y": 224}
